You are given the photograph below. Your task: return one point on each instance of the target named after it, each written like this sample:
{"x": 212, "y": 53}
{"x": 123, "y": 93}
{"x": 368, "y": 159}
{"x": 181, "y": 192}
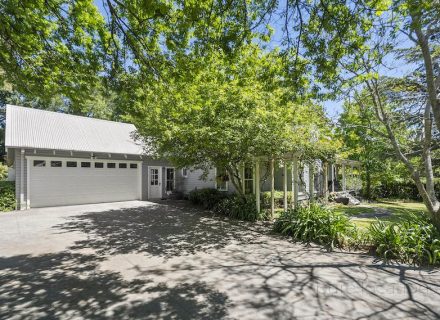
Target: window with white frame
{"x": 185, "y": 172}
{"x": 248, "y": 179}
{"x": 222, "y": 179}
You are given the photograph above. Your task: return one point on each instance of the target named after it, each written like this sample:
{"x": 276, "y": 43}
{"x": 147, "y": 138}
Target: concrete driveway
{"x": 140, "y": 260}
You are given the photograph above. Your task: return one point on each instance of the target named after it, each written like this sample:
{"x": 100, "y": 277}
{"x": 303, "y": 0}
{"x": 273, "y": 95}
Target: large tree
{"x": 225, "y": 111}
{"x": 347, "y": 43}
{"x": 54, "y": 52}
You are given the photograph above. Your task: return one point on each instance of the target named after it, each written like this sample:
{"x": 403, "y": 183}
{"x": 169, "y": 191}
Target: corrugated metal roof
{"x": 40, "y": 129}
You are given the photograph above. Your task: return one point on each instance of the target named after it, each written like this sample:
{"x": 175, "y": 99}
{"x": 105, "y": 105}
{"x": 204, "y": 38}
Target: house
{"x": 61, "y": 159}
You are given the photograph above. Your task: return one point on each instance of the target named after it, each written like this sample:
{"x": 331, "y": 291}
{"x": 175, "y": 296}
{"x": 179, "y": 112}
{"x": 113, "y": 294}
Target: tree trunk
{"x": 235, "y": 178}
{"x": 429, "y": 198}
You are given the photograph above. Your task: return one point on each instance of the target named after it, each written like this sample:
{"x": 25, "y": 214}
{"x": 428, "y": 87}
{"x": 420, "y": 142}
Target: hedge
{"x": 7, "y": 196}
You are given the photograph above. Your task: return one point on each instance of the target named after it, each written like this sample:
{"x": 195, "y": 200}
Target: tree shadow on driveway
{"x": 221, "y": 268}
{"x": 66, "y": 285}
{"x": 159, "y": 230}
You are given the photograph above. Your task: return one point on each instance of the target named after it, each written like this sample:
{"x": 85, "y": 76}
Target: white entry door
{"x": 155, "y": 182}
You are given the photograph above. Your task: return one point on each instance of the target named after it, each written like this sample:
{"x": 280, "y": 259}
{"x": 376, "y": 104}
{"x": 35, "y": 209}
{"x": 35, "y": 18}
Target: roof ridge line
{"x": 69, "y": 114}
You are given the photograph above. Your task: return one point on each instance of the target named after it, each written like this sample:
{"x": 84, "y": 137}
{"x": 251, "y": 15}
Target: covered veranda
{"x": 306, "y": 180}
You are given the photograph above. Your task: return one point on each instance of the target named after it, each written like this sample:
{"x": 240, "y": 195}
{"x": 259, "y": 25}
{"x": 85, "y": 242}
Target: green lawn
{"x": 386, "y": 210}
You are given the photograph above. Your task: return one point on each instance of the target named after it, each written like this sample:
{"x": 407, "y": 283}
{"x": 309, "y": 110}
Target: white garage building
{"x": 62, "y": 159}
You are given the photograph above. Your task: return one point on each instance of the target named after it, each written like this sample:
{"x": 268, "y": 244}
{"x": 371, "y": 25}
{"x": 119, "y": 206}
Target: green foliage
{"x": 414, "y": 241}
{"x": 239, "y": 207}
{"x": 7, "y": 196}
{"x": 279, "y": 198}
{"x": 231, "y": 205}
{"x": 53, "y": 49}
{"x": 206, "y": 197}
{"x": 318, "y": 224}
{"x": 225, "y": 111}
{"x": 3, "y": 171}
{"x": 400, "y": 190}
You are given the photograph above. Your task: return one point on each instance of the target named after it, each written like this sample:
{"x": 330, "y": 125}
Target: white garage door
{"x": 61, "y": 181}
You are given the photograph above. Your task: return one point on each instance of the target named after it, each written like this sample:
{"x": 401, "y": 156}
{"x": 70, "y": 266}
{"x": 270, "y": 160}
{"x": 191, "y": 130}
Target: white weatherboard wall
{"x": 56, "y": 186}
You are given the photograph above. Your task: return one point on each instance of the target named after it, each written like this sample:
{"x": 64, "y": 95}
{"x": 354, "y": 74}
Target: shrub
{"x": 239, "y": 207}
{"x": 414, "y": 240}
{"x": 207, "y": 197}
{"x": 3, "y": 171}
{"x": 400, "y": 190}
{"x": 317, "y": 224}
{"x": 279, "y": 198}
{"x": 7, "y": 196}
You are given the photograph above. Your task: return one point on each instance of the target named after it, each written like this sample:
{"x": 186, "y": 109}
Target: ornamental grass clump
{"x": 318, "y": 224}
{"x": 414, "y": 240}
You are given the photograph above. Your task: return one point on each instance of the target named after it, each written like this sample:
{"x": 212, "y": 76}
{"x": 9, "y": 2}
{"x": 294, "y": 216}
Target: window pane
{"x": 123, "y": 165}
{"x": 248, "y": 172}
{"x": 39, "y": 163}
{"x": 133, "y": 165}
{"x": 71, "y": 164}
{"x": 170, "y": 179}
{"x": 222, "y": 179}
{"x": 56, "y": 164}
{"x": 99, "y": 165}
{"x": 185, "y": 172}
{"x": 248, "y": 179}
{"x": 85, "y": 164}
{"x": 154, "y": 177}
{"x": 170, "y": 173}
{"x": 111, "y": 165}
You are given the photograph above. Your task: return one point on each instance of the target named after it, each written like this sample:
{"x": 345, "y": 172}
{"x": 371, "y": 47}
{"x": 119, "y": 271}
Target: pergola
{"x": 329, "y": 170}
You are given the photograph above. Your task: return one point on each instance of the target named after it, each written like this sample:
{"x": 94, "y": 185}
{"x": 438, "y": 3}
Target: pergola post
{"x": 344, "y": 181}
{"x": 332, "y": 176}
{"x": 257, "y": 185}
{"x": 311, "y": 181}
{"x": 295, "y": 185}
{"x": 352, "y": 180}
{"x": 325, "y": 178}
{"x": 285, "y": 186}
{"x": 272, "y": 188}
{"x": 243, "y": 184}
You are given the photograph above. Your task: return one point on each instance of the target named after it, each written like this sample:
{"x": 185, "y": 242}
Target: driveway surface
{"x": 141, "y": 260}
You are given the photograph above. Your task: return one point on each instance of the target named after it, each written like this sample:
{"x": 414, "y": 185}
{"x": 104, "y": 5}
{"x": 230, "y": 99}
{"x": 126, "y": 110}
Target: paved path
{"x": 140, "y": 260}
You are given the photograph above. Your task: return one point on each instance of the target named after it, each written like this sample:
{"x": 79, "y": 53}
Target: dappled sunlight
{"x": 282, "y": 282}
{"x": 386, "y": 210}
{"x": 66, "y": 285}
{"x": 161, "y": 230}
{"x": 176, "y": 262}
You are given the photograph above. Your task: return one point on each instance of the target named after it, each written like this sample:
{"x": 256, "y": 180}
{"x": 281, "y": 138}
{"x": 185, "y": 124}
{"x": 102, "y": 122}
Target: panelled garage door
{"x": 61, "y": 181}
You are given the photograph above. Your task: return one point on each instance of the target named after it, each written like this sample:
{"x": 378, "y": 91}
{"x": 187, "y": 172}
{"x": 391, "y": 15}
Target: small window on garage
{"x": 123, "y": 166}
{"x": 39, "y": 163}
{"x": 111, "y": 165}
{"x": 56, "y": 164}
{"x": 85, "y": 164}
{"x": 99, "y": 165}
{"x": 71, "y": 164}
{"x": 133, "y": 165}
